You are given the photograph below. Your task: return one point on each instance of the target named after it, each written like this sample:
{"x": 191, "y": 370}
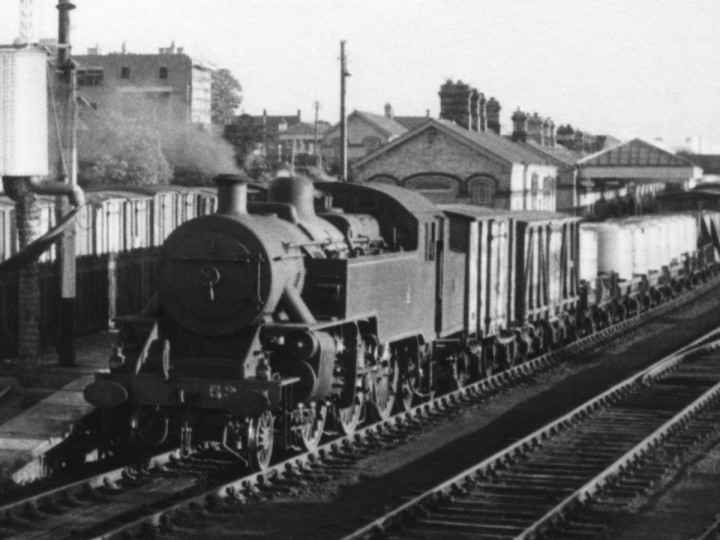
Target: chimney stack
{"x": 519, "y": 120}
{"x": 482, "y": 121}
{"x": 565, "y": 136}
{"x": 492, "y": 109}
{"x": 535, "y": 128}
{"x": 455, "y": 103}
{"x": 549, "y": 132}
{"x": 474, "y": 110}
{"x": 389, "y": 111}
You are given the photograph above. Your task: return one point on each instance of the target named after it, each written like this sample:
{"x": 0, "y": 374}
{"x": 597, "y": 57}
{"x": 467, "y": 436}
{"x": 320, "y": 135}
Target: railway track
{"x": 123, "y": 501}
{"x": 611, "y": 448}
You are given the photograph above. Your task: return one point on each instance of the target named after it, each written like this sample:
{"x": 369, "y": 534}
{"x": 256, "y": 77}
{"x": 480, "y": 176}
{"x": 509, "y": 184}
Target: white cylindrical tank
{"x": 653, "y": 234}
{"x": 614, "y": 249}
{"x": 23, "y": 112}
{"x": 588, "y": 253}
{"x": 639, "y": 246}
{"x": 691, "y": 234}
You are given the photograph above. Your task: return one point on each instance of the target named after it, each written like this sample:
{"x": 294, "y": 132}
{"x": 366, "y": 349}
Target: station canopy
{"x": 637, "y": 161}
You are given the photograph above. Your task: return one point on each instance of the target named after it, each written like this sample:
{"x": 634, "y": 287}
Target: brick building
{"x": 169, "y": 87}
{"x": 449, "y": 163}
{"x": 366, "y": 132}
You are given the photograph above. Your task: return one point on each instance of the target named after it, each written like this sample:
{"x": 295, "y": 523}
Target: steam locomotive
{"x": 333, "y": 302}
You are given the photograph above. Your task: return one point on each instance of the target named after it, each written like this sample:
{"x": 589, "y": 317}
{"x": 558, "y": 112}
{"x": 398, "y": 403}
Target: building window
{"x": 481, "y": 191}
{"x": 371, "y": 143}
{"x": 163, "y": 73}
{"x": 90, "y": 77}
{"x": 125, "y": 72}
{"x": 430, "y": 241}
{"x": 534, "y": 181}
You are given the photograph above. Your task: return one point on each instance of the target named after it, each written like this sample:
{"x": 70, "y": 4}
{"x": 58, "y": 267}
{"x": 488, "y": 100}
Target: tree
{"x": 226, "y": 96}
{"x": 126, "y": 152}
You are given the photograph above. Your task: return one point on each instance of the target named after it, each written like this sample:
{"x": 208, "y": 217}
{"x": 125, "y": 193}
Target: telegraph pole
{"x": 343, "y": 121}
{"x": 316, "y": 150}
{"x": 68, "y": 171}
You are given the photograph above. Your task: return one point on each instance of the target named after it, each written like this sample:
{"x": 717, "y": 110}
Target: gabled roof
{"x": 410, "y": 122}
{"x": 559, "y": 153}
{"x": 496, "y": 144}
{"x": 635, "y": 153}
{"x": 390, "y": 126}
{"x": 486, "y": 142}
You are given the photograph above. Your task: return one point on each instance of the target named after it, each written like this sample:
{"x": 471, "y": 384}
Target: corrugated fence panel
{"x": 8, "y": 316}
{"x": 107, "y": 286}
{"x": 135, "y": 280}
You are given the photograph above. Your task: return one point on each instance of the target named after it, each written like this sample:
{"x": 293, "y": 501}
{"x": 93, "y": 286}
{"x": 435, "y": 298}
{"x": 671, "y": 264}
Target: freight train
{"x": 115, "y": 218}
{"x": 330, "y": 303}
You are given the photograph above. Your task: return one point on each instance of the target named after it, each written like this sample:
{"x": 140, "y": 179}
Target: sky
{"x": 628, "y": 68}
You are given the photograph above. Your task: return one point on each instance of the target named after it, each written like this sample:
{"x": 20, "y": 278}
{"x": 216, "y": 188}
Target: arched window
{"x": 482, "y": 191}
{"x": 383, "y": 179}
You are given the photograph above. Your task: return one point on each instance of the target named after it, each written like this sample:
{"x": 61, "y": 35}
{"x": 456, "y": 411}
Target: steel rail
{"x": 505, "y": 457}
{"x": 296, "y": 466}
{"x": 583, "y": 494}
{"x": 32, "y": 504}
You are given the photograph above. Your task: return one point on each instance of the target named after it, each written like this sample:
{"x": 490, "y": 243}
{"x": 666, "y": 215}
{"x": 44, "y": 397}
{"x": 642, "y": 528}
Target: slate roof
{"x": 559, "y": 153}
{"x": 388, "y": 125}
{"x": 635, "y": 153}
{"x": 496, "y": 144}
{"x": 410, "y": 122}
{"x": 485, "y": 141}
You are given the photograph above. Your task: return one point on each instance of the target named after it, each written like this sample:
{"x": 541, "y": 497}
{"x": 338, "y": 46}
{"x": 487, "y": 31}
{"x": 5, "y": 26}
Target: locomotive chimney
{"x": 231, "y": 194}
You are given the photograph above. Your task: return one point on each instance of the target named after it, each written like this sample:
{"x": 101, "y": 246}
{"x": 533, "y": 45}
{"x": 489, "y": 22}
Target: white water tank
{"x": 639, "y": 246}
{"x": 614, "y": 249}
{"x": 691, "y": 234}
{"x": 655, "y": 252}
{"x": 23, "y": 112}
{"x": 588, "y": 253}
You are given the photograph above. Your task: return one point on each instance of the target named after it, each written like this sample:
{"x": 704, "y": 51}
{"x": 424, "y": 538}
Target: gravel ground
{"x": 351, "y": 499}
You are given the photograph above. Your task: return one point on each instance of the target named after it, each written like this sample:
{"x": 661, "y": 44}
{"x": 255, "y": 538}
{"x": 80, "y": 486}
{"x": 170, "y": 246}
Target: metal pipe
{"x": 295, "y": 307}
{"x": 74, "y": 193}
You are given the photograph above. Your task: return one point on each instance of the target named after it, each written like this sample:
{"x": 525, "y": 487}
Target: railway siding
{"x": 530, "y": 488}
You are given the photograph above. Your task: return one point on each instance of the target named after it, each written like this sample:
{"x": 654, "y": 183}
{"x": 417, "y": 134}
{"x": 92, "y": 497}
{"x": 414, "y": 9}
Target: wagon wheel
{"x": 468, "y": 369}
{"x": 260, "y": 441}
{"x": 346, "y": 419}
{"x": 311, "y": 427}
{"x": 383, "y": 400}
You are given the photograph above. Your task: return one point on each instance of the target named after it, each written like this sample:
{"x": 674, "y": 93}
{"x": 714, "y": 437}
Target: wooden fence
{"x": 108, "y": 286}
